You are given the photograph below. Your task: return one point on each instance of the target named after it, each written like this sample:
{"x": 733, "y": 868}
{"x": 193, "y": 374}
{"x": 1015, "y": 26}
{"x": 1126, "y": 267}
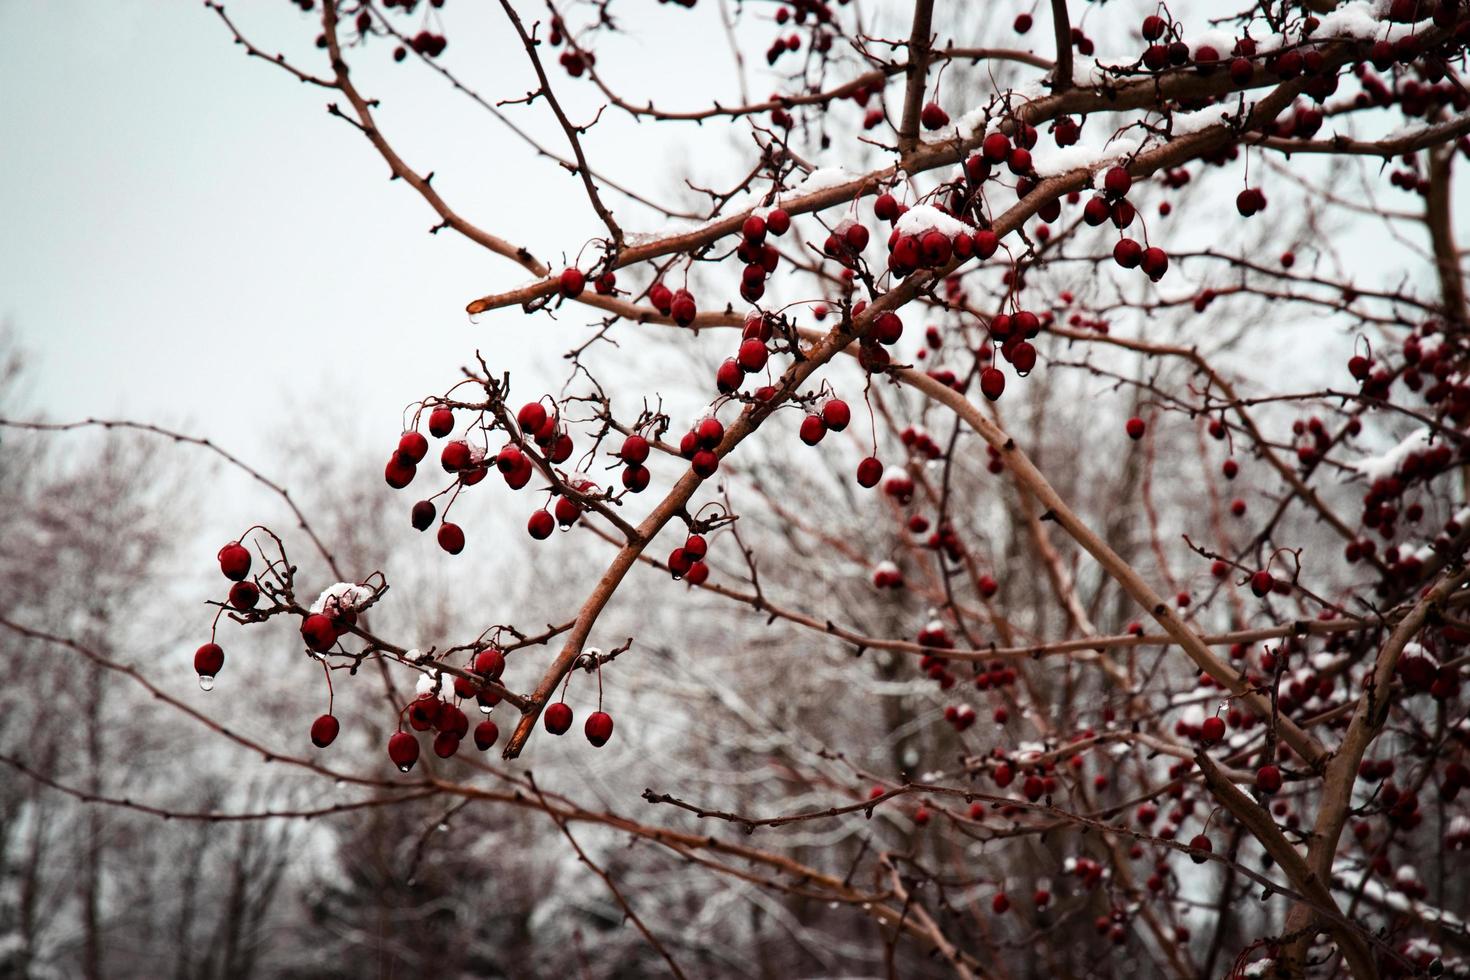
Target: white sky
{"x": 189, "y": 238}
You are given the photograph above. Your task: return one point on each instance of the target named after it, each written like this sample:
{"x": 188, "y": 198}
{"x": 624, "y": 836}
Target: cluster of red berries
{"x": 676, "y": 304}
{"x": 833, "y": 416}
{"x": 598, "y": 728}
{"x": 432, "y": 711}
{"x": 698, "y": 446}
{"x": 760, "y": 258}
{"x": 750, "y": 358}
{"x": 234, "y": 564}
{"x": 687, "y": 562}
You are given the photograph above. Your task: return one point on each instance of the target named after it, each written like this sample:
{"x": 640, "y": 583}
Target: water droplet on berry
{"x": 206, "y": 682}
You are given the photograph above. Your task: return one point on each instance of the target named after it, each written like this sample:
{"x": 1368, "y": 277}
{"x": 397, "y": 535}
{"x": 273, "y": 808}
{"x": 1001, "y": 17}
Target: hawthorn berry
{"x": 451, "y": 538}
{"x": 1212, "y": 730}
{"x": 752, "y": 356}
{"x": 234, "y": 561}
{"x": 489, "y": 663}
{"x": 572, "y": 282}
{"x": 486, "y": 734}
{"x": 1262, "y": 583}
{"x": 778, "y": 222}
{"x": 441, "y": 422}
{"x": 399, "y": 474}
{"x": 324, "y": 731}
{"x": 423, "y": 515}
{"x": 635, "y": 450}
{"x": 1127, "y": 253}
{"x": 446, "y": 744}
{"x": 599, "y": 728}
{"x": 1117, "y": 181}
{"x": 1000, "y": 904}
{"x": 933, "y": 117}
{"x": 567, "y": 511}
{"x": 1268, "y": 779}
{"x": 318, "y": 632}
{"x": 813, "y": 429}
{"x": 992, "y": 383}
{"x": 208, "y": 661}
{"x": 1135, "y": 428}
{"x": 836, "y": 414}
{"x": 541, "y": 524}
{"x": 244, "y": 595}
{"x": 1199, "y": 846}
{"x": 869, "y": 472}
{"x": 403, "y": 749}
{"x": 558, "y": 718}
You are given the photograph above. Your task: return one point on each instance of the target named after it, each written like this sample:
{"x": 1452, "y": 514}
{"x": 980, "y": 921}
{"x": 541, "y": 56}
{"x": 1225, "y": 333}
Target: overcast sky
{"x": 189, "y": 238}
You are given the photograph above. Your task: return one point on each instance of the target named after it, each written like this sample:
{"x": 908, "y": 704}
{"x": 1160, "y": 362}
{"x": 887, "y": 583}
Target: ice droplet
{"x": 485, "y": 709}
{"x": 404, "y": 768}
{"x": 206, "y": 682}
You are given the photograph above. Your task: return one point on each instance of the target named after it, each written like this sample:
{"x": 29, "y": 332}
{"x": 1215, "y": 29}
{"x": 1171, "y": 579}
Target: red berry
{"x": 599, "y": 728}
{"x": 318, "y": 632}
{"x": 869, "y": 472}
{"x": 1000, "y": 904}
{"x": 441, "y": 422}
{"x": 1200, "y": 845}
{"x": 1117, "y": 181}
{"x": 836, "y": 415}
{"x": 1135, "y": 428}
{"x": 234, "y": 561}
{"x": 490, "y": 663}
{"x": 446, "y": 744}
{"x": 933, "y": 117}
{"x": 412, "y": 447}
{"x": 532, "y": 418}
{"x": 403, "y": 749}
{"x": 709, "y": 432}
{"x": 324, "y": 731}
{"x": 705, "y": 463}
{"x": 398, "y": 473}
{"x": 778, "y": 222}
{"x": 486, "y": 734}
{"x": 451, "y": 538}
{"x": 636, "y": 478}
{"x": 752, "y": 355}
{"x": 567, "y": 511}
{"x": 754, "y": 229}
{"x": 541, "y": 525}
{"x": 454, "y": 457}
{"x": 558, "y": 718}
{"x": 992, "y": 383}
{"x": 813, "y": 429}
{"x": 1268, "y": 779}
{"x": 422, "y": 515}
{"x": 997, "y": 147}
{"x": 1127, "y": 253}
{"x": 1262, "y": 583}
{"x": 572, "y": 283}
{"x": 244, "y": 595}
{"x": 1212, "y": 730}
{"x": 635, "y": 450}
{"x": 208, "y": 660}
